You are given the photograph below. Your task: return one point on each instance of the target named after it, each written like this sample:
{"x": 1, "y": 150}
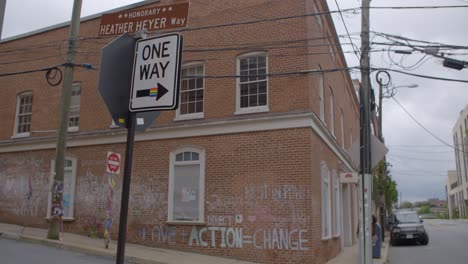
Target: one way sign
{"x": 156, "y": 73}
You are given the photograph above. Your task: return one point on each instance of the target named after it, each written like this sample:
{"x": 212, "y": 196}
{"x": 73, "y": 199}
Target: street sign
{"x": 156, "y": 73}
{"x": 115, "y": 78}
{"x": 149, "y": 18}
{"x": 349, "y": 177}
{"x": 113, "y": 162}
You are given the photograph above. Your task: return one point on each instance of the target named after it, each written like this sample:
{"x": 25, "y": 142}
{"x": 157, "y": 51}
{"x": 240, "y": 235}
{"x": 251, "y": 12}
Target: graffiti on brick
{"x": 260, "y": 238}
{"x": 23, "y": 185}
{"x": 230, "y": 237}
{"x": 159, "y": 234}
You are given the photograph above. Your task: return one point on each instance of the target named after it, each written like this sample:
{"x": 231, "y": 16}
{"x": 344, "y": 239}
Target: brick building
{"x": 246, "y": 168}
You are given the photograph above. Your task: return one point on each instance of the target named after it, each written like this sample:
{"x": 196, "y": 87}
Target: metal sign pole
{"x": 126, "y": 188}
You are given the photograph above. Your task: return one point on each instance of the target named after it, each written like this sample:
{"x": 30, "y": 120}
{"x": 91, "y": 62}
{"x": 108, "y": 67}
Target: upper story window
{"x": 342, "y": 128}
{"x": 318, "y": 17}
{"x": 192, "y": 91}
{"x": 252, "y": 86}
{"x": 326, "y": 201}
{"x": 332, "y": 114}
{"x": 74, "y": 114}
{"x": 23, "y": 115}
{"x": 322, "y": 101}
{"x": 186, "y": 185}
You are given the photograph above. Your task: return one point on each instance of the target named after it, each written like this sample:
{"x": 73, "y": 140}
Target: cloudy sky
{"x": 420, "y": 161}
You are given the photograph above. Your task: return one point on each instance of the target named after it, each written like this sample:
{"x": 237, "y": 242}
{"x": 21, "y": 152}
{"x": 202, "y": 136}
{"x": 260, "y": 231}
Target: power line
{"x": 424, "y": 152}
{"x": 347, "y": 31}
{"x": 418, "y": 7}
{"x": 423, "y": 127}
{"x": 83, "y": 65}
{"x": 420, "y": 159}
{"x": 279, "y": 74}
{"x": 421, "y": 41}
{"x": 420, "y": 75}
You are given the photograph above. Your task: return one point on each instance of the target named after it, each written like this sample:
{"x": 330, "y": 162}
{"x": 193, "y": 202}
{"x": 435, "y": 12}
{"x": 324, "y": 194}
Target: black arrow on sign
{"x": 157, "y": 92}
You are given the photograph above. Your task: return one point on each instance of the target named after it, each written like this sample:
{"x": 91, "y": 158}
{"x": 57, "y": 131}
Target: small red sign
{"x": 113, "y": 162}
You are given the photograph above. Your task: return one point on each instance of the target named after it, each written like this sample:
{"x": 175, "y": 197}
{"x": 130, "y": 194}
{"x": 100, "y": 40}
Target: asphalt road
{"x": 447, "y": 245}
{"x": 18, "y": 252}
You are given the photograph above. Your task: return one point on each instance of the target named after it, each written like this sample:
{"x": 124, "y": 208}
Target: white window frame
{"x": 326, "y": 201}
{"x": 73, "y": 169}
{"x": 342, "y": 128}
{"x": 332, "y": 113}
{"x": 322, "y": 99}
{"x": 336, "y": 204}
{"x": 18, "y": 102}
{"x": 318, "y": 17}
{"x": 172, "y": 164}
{"x": 256, "y": 109}
{"x": 74, "y": 128}
{"x": 198, "y": 115}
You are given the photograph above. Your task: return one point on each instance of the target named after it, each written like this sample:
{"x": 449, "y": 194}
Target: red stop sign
{"x": 113, "y": 162}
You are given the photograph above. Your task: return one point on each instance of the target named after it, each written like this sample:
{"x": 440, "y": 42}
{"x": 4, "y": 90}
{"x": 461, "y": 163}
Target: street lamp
{"x": 392, "y": 91}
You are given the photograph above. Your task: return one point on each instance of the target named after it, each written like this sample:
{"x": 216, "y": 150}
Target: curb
{"x": 75, "y": 248}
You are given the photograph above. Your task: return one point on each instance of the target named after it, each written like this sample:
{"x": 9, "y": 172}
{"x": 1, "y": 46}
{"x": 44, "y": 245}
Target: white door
{"x": 346, "y": 213}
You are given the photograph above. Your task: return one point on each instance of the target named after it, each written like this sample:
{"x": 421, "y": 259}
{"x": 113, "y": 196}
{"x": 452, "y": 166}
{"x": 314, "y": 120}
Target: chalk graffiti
{"x": 109, "y": 217}
{"x": 160, "y": 234}
{"x": 230, "y": 237}
{"x": 261, "y": 238}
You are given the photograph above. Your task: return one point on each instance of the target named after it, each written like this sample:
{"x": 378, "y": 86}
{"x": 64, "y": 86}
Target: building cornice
{"x": 187, "y": 130}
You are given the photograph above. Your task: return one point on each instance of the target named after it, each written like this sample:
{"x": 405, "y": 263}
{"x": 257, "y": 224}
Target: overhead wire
{"x": 356, "y": 52}
{"x": 423, "y": 127}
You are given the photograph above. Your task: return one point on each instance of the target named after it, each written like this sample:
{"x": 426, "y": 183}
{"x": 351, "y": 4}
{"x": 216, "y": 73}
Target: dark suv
{"x": 407, "y": 226}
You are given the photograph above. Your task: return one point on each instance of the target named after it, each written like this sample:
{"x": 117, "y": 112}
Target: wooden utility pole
{"x": 2, "y": 15}
{"x": 57, "y": 186}
{"x": 365, "y": 237}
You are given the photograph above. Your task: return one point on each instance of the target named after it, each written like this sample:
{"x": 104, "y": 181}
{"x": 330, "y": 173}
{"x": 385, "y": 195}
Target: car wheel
{"x": 425, "y": 240}
{"x": 393, "y": 242}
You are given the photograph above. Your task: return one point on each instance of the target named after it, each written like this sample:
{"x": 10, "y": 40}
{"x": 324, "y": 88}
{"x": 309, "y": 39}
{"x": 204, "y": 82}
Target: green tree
{"x": 407, "y": 205}
{"x": 385, "y": 188}
{"x": 425, "y": 210}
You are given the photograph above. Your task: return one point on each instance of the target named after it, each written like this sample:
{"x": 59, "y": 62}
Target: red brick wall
{"x": 270, "y": 178}
{"x": 285, "y": 93}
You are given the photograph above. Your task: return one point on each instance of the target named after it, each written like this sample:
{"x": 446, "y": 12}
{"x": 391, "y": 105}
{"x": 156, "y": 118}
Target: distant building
{"x": 458, "y": 189}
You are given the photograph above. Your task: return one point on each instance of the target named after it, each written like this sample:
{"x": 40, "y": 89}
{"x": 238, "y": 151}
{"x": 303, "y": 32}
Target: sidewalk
{"x": 149, "y": 255}
{"x": 133, "y": 253}
{"x": 350, "y": 255}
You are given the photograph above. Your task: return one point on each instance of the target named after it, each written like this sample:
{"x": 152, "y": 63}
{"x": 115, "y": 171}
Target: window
{"x": 336, "y": 205}
{"x": 318, "y": 18}
{"x": 191, "y": 92}
{"x": 252, "y": 88}
{"x": 68, "y": 198}
{"x": 322, "y": 101}
{"x": 332, "y": 114}
{"x": 23, "y": 115}
{"x": 326, "y": 203}
{"x": 186, "y": 186}
{"x": 342, "y": 128}
{"x": 74, "y": 114}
